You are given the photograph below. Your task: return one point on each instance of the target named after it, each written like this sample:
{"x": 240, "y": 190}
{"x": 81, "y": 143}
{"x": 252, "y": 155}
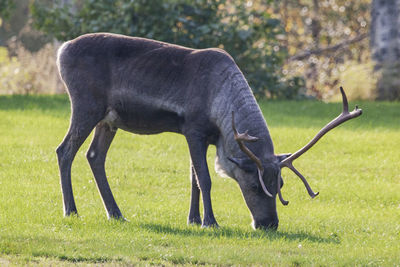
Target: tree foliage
{"x": 247, "y": 31}
{"x": 324, "y": 38}
{"x": 6, "y": 6}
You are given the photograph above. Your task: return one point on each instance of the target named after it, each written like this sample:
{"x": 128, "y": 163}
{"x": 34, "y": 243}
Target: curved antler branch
{"x": 309, "y": 190}
{"x": 284, "y": 202}
{"x": 260, "y": 174}
{"x": 344, "y": 116}
{"x": 245, "y": 137}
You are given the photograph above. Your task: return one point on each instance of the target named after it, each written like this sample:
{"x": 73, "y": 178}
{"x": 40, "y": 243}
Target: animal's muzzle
{"x": 266, "y": 224}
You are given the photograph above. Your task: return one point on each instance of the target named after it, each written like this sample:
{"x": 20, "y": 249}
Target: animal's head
{"x": 260, "y": 181}
{"x": 260, "y": 177}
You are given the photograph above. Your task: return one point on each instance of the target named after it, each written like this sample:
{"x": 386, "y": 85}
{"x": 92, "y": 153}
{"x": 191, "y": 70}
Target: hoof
{"x": 117, "y": 217}
{"x": 213, "y": 225}
{"x": 194, "y": 221}
{"x": 71, "y": 213}
{"x": 115, "y": 214}
{"x": 210, "y": 223}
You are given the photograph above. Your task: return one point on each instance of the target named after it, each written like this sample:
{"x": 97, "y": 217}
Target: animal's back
{"x": 118, "y": 54}
{"x": 102, "y": 55}
{"x": 142, "y": 80}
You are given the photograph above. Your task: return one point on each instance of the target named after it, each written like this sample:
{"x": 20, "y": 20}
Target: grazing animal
{"x": 148, "y": 87}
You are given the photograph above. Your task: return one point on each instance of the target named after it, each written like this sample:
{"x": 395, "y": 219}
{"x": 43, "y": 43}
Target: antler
{"x": 344, "y": 116}
{"x": 284, "y": 202}
{"x": 245, "y": 137}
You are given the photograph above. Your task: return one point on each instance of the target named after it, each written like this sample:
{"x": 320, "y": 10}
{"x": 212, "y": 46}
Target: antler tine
{"x": 241, "y": 136}
{"x": 344, "y": 116}
{"x": 284, "y": 202}
{"x": 344, "y": 100}
{"x": 309, "y": 190}
{"x": 245, "y": 137}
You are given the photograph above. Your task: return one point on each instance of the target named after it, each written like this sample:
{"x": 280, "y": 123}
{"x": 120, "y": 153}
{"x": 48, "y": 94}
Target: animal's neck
{"x": 236, "y": 96}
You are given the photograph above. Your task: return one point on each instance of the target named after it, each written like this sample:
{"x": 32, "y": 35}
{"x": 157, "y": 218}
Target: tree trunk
{"x": 385, "y": 46}
{"x": 312, "y": 71}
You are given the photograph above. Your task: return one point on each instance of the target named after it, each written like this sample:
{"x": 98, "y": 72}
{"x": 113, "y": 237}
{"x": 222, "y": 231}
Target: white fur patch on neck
{"x": 220, "y": 170}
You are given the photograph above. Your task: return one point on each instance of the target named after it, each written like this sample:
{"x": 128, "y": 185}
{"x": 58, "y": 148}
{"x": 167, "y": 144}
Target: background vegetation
{"x": 247, "y": 31}
{"x": 287, "y": 49}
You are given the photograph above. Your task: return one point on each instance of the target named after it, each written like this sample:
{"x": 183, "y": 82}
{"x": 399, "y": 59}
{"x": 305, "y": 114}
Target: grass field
{"x": 354, "y": 221}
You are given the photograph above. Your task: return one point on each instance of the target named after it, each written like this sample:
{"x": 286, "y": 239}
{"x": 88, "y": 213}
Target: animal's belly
{"x": 144, "y": 120}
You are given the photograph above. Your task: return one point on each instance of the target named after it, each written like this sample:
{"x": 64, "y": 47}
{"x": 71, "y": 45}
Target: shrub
{"x": 28, "y": 73}
{"x": 246, "y": 30}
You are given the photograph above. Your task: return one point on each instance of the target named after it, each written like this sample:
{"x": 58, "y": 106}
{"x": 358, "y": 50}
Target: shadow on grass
{"x": 77, "y": 259}
{"x": 34, "y": 248}
{"x": 238, "y": 233}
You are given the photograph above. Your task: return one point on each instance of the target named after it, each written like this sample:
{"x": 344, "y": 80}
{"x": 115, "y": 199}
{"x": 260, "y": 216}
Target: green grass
{"x": 354, "y": 221}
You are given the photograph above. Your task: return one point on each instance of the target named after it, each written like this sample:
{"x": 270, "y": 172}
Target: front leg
{"x": 198, "y": 150}
{"x": 194, "y": 213}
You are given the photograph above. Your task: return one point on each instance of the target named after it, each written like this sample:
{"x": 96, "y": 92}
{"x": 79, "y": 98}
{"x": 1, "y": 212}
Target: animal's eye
{"x": 254, "y": 187}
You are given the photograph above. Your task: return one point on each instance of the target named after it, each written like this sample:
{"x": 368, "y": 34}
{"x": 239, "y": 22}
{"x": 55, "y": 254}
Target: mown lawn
{"x": 354, "y": 221}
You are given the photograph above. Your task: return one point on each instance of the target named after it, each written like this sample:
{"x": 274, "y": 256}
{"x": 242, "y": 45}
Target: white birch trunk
{"x": 385, "y": 47}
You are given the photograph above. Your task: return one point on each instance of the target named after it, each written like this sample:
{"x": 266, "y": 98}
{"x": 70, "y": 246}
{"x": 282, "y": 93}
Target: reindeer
{"x": 148, "y": 87}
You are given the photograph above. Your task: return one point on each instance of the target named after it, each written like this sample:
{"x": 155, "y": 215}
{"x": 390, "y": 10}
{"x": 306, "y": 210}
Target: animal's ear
{"x": 283, "y": 156}
{"x": 245, "y": 164}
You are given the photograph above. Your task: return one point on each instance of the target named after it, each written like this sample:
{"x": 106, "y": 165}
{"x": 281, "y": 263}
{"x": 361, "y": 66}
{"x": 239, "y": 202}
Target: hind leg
{"x": 82, "y": 123}
{"x": 96, "y": 156}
